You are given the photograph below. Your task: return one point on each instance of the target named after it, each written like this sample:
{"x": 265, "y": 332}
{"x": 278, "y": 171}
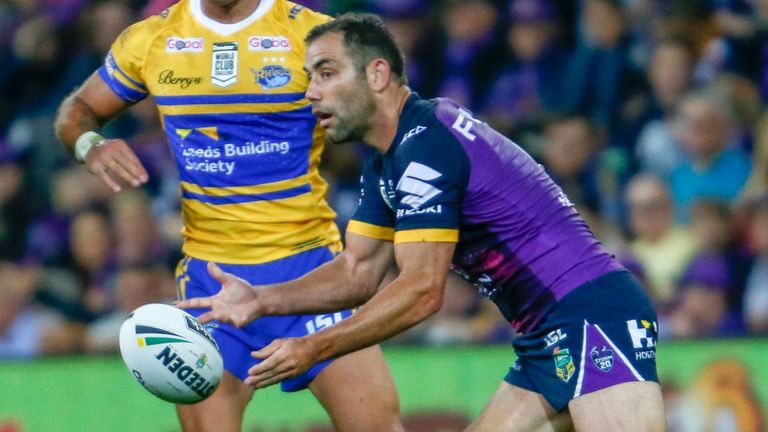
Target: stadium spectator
{"x": 227, "y": 79}
{"x": 527, "y": 88}
{"x": 756, "y": 292}
{"x": 669, "y": 75}
{"x": 662, "y": 249}
{"x": 712, "y": 168}
{"x": 28, "y": 329}
{"x": 570, "y": 157}
{"x": 430, "y": 202}
{"x": 15, "y": 210}
{"x": 135, "y": 285}
{"x": 601, "y": 77}
{"x": 713, "y": 225}
{"x": 414, "y": 30}
{"x": 701, "y": 308}
{"x": 469, "y": 52}
{"x": 91, "y": 244}
{"x": 135, "y": 229}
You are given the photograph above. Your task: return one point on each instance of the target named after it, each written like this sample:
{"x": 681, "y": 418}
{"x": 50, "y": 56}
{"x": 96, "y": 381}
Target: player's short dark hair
{"x": 365, "y": 38}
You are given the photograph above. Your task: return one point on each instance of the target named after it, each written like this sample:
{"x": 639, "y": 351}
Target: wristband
{"x": 84, "y": 144}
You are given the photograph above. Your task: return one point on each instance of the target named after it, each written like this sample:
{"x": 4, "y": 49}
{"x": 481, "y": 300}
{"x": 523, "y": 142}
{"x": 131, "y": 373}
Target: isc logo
{"x": 323, "y": 321}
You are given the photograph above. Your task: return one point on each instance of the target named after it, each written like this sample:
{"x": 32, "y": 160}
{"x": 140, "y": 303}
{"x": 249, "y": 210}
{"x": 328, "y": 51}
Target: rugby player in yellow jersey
{"x": 228, "y": 81}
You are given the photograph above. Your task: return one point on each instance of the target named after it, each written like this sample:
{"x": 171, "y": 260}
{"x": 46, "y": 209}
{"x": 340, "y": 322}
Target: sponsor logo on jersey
{"x": 645, "y": 355}
{"x": 643, "y": 333}
{"x": 415, "y": 131}
{"x": 269, "y": 43}
{"x": 224, "y": 64}
{"x": 110, "y": 64}
{"x": 295, "y": 11}
{"x": 167, "y": 77}
{"x": 177, "y": 44}
{"x": 602, "y": 358}
{"x": 564, "y": 367}
{"x": 414, "y": 183}
{"x": 272, "y": 76}
{"x": 554, "y": 337}
{"x": 435, "y": 209}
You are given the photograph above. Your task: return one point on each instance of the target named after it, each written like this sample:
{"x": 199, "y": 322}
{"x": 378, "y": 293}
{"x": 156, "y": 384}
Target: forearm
{"x": 73, "y": 119}
{"x": 401, "y": 305}
{"x": 339, "y": 284}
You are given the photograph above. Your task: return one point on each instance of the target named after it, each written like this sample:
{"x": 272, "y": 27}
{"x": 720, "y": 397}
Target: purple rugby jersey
{"x": 520, "y": 241}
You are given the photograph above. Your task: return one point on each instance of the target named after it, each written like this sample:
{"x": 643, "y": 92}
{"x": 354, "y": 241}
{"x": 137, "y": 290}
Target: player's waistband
{"x": 258, "y": 248}
{"x": 614, "y": 296}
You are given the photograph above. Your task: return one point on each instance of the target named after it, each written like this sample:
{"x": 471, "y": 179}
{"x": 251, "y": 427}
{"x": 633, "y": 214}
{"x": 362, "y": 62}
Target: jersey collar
{"x": 228, "y": 29}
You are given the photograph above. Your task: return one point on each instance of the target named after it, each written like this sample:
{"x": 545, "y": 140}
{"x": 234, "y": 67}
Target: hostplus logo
{"x": 643, "y": 334}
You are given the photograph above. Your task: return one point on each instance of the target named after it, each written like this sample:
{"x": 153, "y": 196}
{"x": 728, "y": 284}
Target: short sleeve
{"x": 123, "y": 68}
{"x": 373, "y": 217}
{"x": 433, "y": 176}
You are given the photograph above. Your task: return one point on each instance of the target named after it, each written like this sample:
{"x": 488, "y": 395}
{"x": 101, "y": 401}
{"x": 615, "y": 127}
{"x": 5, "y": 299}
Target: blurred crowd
{"x": 649, "y": 113}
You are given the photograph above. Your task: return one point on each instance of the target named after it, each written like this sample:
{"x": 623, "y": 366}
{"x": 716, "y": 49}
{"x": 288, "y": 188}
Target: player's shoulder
{"x": 422, "y": 136}
{"x": 151, "y": 26}
{"x": 301, "y": 16}
{"x": 420, "y": 125}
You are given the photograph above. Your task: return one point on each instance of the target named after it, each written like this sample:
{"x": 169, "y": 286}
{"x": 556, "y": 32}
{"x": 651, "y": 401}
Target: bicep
{"x": 100, "y": 99}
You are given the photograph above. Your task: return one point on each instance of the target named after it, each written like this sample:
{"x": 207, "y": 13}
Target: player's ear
{"x": 378, "y": 74}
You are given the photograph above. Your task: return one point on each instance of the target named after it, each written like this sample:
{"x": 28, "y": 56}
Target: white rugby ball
{"x": 170, "y": 353}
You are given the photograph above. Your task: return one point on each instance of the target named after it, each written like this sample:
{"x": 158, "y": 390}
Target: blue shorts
{"x": 599, "y": 335}
{"x": 193, "y": 280}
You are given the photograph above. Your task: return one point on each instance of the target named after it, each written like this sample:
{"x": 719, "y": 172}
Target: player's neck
{"x": 384, "y": 127}
{"x": 229, "y": 12}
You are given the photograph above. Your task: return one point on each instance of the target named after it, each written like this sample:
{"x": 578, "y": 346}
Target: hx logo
{"x": 643, "y": 333}
{"x": 414, "y": 184}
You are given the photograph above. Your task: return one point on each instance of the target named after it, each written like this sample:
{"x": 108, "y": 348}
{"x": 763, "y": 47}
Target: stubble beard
{"x": 353, "y": 124}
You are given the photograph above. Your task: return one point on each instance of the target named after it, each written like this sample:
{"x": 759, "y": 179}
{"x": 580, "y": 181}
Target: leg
{"x": 514, "y": 409}
{"x": 631, "y": 406}
{"x": 221, "y": 412}
{"x": 359, "y": 393}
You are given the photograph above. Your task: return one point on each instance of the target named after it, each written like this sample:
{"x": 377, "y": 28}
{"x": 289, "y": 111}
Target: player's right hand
{"x": 112, "y": 159}
{"x": 236, "y": 303}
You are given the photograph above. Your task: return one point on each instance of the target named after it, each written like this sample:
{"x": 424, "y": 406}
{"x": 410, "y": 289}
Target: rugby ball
{"x": 170, "y": 353}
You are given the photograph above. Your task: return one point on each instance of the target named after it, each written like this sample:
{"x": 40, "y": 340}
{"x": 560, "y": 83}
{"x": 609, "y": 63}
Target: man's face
{"x": 341, "y": 98}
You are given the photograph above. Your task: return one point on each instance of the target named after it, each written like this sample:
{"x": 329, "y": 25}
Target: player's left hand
{"x": 282, "y": 359}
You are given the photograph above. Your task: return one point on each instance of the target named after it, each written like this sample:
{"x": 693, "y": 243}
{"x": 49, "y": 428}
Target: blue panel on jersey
{"x": 229, "y": 99}
{"x": 121, "y": 90}
{"x": 241, "y": 149}
{"x": 239, "y": 199}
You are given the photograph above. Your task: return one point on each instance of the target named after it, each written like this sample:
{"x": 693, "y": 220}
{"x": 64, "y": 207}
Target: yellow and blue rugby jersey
{"x": 231, "y": 99}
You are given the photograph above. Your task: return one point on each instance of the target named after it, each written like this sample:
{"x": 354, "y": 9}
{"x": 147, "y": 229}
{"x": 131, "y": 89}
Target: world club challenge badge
{"x": 224, "y": 64}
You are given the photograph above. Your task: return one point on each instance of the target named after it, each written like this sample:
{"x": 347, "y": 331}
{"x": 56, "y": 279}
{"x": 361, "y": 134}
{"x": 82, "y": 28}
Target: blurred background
{"x": 651, "y": 114}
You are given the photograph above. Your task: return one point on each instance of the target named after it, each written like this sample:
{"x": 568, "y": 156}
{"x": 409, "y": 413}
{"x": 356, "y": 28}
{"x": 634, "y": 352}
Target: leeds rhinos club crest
{"x": 224, "y": 64}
